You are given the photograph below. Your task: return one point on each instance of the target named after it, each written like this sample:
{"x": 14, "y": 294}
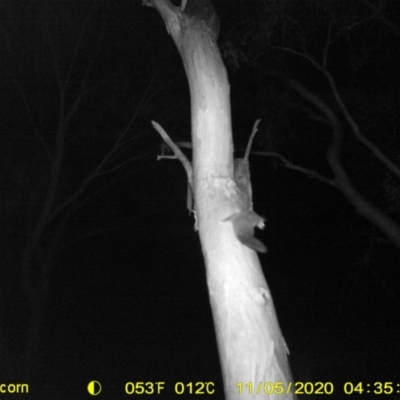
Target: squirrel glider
{"x": 246, "y": 220}
{"x": 243, "y": 226}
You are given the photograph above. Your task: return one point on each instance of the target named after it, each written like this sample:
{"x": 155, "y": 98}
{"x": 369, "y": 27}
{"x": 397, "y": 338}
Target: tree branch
{"x": 98, "y": 170}
{"x": 32, "y": 120}
{"x": 342, "y": 180}
{"x": 177, "y": 151}
{"x": 354, "y": 127}
{"x": 311, "y": 173}
{"x": 251, "y": 138}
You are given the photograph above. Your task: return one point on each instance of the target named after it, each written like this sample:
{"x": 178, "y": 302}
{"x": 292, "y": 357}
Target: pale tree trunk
{"x": 252, "y": 350}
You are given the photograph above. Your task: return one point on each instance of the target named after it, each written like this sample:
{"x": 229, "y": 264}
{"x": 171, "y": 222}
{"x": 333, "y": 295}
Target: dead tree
{"x": 252, "y": 350}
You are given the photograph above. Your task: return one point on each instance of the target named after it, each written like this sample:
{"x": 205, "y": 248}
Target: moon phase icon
{"x": 94, "y": 388}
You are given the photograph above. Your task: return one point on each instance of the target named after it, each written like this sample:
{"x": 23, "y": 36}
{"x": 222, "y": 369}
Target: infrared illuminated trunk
{"x": 251, "y": 347}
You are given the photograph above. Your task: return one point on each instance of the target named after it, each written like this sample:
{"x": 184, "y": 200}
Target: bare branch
{"x": 185, "y": 162}
{"x": 72, "y": 110}
{"x": 98, "y": 170}
{"x": 327, "y": 44}
{"x": 376, "y": 12}
{"x": 342, "y": 180}
{"x": 77, "y": 47}
{"x": 123, "y": 164}
{"x": 92, "y": 60}
{"x": 177, "y": 151}
{"x": 354, "y": 127}
{"x": 32, "y": 120}
{"x": 309, "y": 172}
{"x": 95, "y": 232}
{"x": 251, "y": 138}
{"x": 55, "y": 63}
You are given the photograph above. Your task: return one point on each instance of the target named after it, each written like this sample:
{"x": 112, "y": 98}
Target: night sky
{"x": 128, "y": 298}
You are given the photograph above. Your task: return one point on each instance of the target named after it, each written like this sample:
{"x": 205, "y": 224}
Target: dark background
{"x": 128, "y": 297}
